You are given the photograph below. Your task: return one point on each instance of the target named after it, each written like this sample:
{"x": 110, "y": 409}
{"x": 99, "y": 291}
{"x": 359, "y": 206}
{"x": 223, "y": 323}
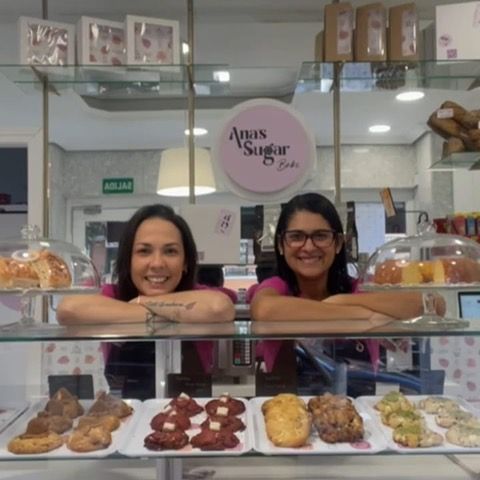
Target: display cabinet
{"x": 256, "y": 456}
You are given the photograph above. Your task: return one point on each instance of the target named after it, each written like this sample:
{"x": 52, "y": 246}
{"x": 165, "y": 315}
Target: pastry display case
{"x": 429, "y": 262}
{"x": 31, "y": 266}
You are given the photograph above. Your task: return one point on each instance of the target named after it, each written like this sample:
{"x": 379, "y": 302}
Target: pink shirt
{"x": 269, "y": 349}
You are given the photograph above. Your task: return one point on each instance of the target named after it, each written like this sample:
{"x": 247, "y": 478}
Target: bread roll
{"x": 5, "y": 274}
{"x": 287, "y": 421}
{"x": 469, "y": 120}
{"x": 52, "y": 271}
{"x": 453, "y": 145}
{"x": 442, "y": 271}
{"x": 45, "y": 270}
{"x": 23, "y": 274}
{"x": 445, "y": 127}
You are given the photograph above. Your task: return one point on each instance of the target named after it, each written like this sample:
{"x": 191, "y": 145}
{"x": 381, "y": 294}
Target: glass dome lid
{"x": 43, "y": 265}
{"x": 428, "y": 259}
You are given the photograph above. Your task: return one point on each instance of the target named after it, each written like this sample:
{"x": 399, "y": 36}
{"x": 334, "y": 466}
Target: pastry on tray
{"x": 392, "y": 402}
{"x": 447, "y": 417}
{"x": 214, "y": 438}
{"x": 178, "y": 418}
{"x": 234, "y": 424}
{"x": 166, "y": 440}
{"x": 107, "y": 404}
{"x": 186, "y": 404}
{"x": 336, "y": 419}
{"x": 89, "y": 439}
{"x": 232, "y": 406}
{"x": 31, "y": 443}
{"x": 109, "y": 422}
{"x": 287, "y": 421}
{"x": 402, "y": 418}
{"x": 416, "y": 436}
{"x": 433, "y": 404}
{"x": 464, "y": 435}
{"x": 64, "y": 403}
{"x": 48, "y": 422}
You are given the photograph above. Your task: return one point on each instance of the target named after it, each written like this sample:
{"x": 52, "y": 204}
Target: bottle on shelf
{"x": 351, "y": 237}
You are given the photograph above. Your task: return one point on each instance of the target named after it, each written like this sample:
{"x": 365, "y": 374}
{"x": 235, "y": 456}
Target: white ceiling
{"x": 98, "y": 130}
{"x": 240, "y": 10}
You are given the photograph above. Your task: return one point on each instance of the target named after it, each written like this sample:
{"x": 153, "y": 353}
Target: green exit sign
{"x": 117, "y": 185}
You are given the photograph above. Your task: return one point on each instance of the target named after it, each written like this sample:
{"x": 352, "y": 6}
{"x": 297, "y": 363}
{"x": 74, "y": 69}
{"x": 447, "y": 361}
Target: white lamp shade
{"x": 173, "y": 173}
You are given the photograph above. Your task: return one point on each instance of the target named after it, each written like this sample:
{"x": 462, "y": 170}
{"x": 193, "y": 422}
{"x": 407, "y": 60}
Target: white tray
{"x": 369, "y": 405}
{"x": 9, "y": 411}
{"x": 373, "y": 441}
{"x": 135, "y": 446}
{"x": 119, "y": 436}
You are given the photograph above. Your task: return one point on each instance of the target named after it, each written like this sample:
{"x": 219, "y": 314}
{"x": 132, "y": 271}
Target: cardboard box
{"x": 338, "y": 27}
{"x": 403, "y": 33}
{"x": 318, "y": 57}
{"x": 100, "y": 42}
{"x": 458, "y": 31}
{"x": 371, "y": 33}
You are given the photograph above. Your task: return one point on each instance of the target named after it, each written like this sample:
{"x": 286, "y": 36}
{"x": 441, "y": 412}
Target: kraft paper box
{"x": 100, "y": 42}
{"x": 319, "y": 47}
{"x": 371, "y": 33}
{"x": 458, "y": 31}
{"x": 338, "y": 28}
{"x": 403, "y": 33}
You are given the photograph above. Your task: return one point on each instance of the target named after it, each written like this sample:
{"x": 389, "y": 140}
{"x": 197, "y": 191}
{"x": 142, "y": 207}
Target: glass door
{"x": 98, "y": 233}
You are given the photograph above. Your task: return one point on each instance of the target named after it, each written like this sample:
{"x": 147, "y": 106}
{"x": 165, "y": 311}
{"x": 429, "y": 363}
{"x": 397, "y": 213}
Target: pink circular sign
{"x": 265, "y": 148}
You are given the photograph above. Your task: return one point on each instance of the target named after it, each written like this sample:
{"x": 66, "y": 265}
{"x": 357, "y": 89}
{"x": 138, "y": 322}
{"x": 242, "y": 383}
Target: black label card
{"x": 79, "y": 385}
{"x": 194, "y": 385}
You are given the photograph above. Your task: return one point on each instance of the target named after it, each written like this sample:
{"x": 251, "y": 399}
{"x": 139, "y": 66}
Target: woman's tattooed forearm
{"x": 153, "y": 305}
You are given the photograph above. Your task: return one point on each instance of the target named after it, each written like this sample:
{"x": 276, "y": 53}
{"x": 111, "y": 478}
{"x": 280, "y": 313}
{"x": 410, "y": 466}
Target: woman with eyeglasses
{"x": 312, "y": 283}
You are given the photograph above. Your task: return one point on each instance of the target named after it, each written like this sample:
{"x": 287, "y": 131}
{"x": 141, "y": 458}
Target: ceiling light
{"x": 410, "y": 96}
{"x": 197, "y": 131}
{"x": 221, "y": 76}
{"x": 361, "y": 150}
{"x": 173, "y": 173}
{"x": 379, "y": 128}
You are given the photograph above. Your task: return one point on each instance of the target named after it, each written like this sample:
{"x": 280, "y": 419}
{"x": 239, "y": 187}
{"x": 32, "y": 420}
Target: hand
{"x": 136, "y": 300}
{"x": 379, "y": 319}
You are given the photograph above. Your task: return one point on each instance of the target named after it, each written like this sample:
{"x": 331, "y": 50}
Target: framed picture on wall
{"x": 42, "y": 42}
{"x": 100, "y": 42}
{"x": 153, "y": 41}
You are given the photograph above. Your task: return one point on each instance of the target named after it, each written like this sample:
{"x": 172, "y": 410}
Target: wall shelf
{"x": 464, "y": 160}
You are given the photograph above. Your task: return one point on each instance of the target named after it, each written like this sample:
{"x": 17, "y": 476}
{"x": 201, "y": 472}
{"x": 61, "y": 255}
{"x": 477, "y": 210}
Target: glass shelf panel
{"x": 239, "y": 329}
{"x": 371, "y": 76}
{"x": 465, "y": 160}
{"x": 111, "y": 81}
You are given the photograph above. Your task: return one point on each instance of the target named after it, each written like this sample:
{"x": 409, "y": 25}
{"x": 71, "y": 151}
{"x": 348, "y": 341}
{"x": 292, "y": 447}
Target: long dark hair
{"x": 126, "y": 290}
{"x": 338, "y": 280}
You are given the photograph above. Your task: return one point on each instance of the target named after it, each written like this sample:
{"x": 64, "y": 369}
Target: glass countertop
{"x": 240, "y": 329}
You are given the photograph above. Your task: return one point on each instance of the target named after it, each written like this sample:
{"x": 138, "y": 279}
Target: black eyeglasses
{"x": 320, "y": 238}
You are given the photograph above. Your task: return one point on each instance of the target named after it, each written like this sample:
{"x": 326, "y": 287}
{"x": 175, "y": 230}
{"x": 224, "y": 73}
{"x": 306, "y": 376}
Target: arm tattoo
{"x": 153, "y": 316}
{"x": 186, "y": 306}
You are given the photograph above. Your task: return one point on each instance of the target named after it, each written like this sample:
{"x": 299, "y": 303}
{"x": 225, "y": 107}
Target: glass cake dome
{"x": 429, "y": 262}
{"x": 428, "y": 259}
{"x": 30, "y": 265}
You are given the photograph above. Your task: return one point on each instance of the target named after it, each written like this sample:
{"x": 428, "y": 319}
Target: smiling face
{"x": 309, "y": 262}
{"x": 158, "y": 257}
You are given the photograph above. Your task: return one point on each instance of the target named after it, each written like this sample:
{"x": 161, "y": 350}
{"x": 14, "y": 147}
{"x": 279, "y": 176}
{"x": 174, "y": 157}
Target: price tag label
{"x": 445, "y": 113}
